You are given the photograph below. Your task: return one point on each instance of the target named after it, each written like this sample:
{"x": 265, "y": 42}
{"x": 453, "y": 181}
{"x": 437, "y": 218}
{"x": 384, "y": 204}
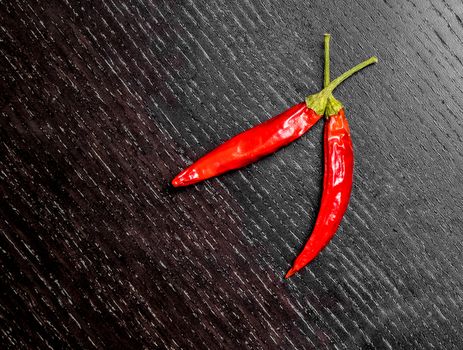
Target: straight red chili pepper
{"x": 251, "y": 145}
{"x": 263, "y": 139}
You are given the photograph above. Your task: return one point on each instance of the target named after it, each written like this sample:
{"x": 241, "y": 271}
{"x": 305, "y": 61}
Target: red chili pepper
{"x": 337, "y": 186}
{"x": 263, "y": 139}
{"x": 251, "y": 145}
{"x": 337, "y": 178}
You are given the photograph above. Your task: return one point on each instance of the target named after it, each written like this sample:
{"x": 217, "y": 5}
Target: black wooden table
{"x": 102, "y": 103}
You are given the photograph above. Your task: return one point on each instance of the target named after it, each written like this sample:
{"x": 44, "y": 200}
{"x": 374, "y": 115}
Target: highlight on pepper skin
{"x": 186, "y": 177}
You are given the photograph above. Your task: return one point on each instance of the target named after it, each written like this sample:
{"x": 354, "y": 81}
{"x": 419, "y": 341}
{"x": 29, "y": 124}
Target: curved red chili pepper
{"x": 251, "y": 145}
{"x": 337, "y": 186}
{"x": 263, "y": 139}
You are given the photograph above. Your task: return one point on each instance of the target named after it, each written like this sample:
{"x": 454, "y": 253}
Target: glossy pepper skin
{"x": 251, "y": 145}
{"x": 337, "y": 186}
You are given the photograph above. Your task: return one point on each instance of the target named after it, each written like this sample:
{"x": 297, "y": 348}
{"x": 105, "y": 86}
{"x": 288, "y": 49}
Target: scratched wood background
{"x": 102, "y": 103}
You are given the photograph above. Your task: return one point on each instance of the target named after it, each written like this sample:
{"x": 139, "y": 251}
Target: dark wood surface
{"x": 102, "y": 103}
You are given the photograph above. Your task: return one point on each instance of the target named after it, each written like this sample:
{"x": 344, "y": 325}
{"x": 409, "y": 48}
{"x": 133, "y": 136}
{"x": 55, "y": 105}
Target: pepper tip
{"x": 176, "y": 182}
{"x": 291, "y": 272}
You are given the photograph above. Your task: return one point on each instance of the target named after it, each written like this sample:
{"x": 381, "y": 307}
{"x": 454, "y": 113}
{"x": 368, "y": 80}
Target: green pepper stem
{"x": 331, "y": 86}
{"x": 326, "y": 75}
{"x": 318, "y": 101}
{"x": 324, "y": 101}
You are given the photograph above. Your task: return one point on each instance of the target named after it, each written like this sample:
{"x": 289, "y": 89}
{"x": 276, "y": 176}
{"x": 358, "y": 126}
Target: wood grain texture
{"x": 102, "y": 103}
